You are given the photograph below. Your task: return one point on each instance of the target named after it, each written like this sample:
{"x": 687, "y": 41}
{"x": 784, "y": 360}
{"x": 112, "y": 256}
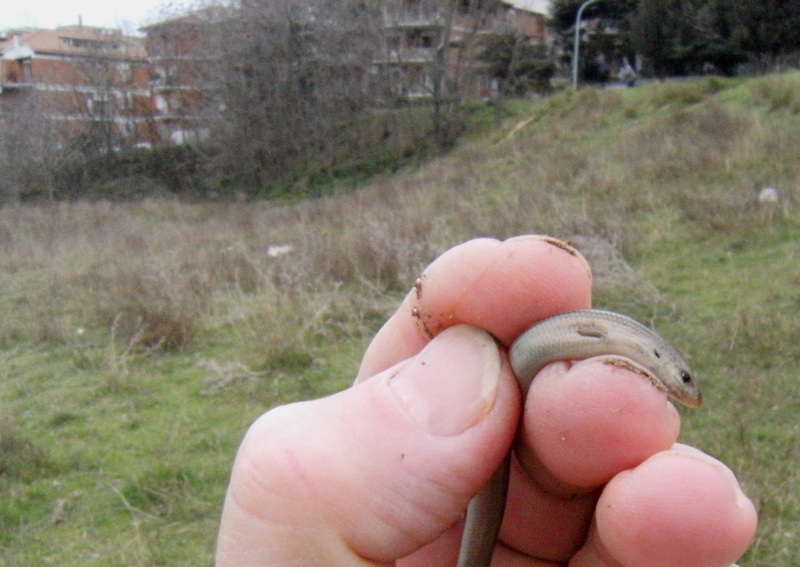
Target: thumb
{"x": 377, "y": 472}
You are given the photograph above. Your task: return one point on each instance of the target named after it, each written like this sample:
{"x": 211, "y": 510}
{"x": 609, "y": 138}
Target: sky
{"x": 126, "y": 14}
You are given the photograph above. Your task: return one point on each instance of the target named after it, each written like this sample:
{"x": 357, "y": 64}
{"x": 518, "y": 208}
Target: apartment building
{"x": 178, "y": 52}
{"x": 92, "y": 82}
{"x": 428, "y": 37}
{"x": 111, "y": 90}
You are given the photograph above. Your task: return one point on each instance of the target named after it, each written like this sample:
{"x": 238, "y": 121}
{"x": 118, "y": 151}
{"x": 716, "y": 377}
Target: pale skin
{"x": 380, "y": 474}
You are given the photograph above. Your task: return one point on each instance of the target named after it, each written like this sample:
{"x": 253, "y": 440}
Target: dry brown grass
{"x": 156, "y": 271}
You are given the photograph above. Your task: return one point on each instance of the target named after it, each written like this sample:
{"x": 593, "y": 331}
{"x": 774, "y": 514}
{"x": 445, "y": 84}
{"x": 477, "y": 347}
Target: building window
{"x": 27, "y": 71}
{"x": 159, "y": 77}
{"x": 161, "y": 104}
{"x": 98, "y": 107}
{"x": 471, "y": 6}
{"x": 124, "y": 70}
{"x": 125, "y": 100}
{"x": 420, "y": 39}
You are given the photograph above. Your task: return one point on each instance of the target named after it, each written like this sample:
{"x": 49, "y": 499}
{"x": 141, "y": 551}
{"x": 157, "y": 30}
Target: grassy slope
{"x": 115, "y": 450}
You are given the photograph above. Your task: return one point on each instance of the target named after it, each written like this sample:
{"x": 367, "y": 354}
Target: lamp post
{"x": 576, "y": 47}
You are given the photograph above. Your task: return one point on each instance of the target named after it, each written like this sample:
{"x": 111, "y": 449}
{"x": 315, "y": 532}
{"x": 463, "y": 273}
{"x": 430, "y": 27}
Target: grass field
{"x": 139, "y": 340}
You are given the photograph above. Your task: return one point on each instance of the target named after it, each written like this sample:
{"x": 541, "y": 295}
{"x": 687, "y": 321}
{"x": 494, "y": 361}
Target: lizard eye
{"x": 686, "y": 377}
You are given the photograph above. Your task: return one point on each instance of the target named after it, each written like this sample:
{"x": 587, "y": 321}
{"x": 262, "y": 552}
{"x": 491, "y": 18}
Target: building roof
{"x": 199, "y": 16}
{"x": 538, "y": 6}
{"x": 78, "y": 40}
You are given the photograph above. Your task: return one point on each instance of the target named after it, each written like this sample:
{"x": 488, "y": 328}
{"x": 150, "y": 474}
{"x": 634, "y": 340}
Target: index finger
{"x": 500, "y": 286}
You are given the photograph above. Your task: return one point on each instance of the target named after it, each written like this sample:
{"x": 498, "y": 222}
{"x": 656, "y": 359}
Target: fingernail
{"x": 569, "y": 249}
{"x": 452, "y": 383}
{"x": 741, "y": 499}
{"x": 559, "y": 244}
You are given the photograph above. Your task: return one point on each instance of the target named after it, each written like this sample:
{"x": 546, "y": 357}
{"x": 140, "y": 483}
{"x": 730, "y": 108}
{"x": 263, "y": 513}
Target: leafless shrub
{"x": 20, "y": 458}
{"x": 224, "y": 375}
{"x": 151, "y": 310}
{"x": 680, "y": 93}
{"x": 59, "y": 514}
{"x": 779, "y": 91}
{"x": 616, "y": 283}
{"x": 287, "y": 75}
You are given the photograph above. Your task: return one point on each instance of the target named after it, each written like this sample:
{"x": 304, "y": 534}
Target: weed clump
{"x": 159, "y": 490}
{"x": 686, "y": 93}
{"x": 780, "y": 92}
{"x": 20, "y": 458}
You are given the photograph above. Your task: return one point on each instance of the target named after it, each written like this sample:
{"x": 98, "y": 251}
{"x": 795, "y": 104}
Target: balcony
{"x": 407, "y": 56}
{"x": 413, "y": 15}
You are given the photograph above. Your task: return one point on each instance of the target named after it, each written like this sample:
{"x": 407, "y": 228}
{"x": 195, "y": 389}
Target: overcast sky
{"x": 128, "y": 14}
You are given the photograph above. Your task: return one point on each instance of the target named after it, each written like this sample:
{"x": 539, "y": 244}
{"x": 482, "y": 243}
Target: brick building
{"x": 101, "y": 87}
{"x": 178, "y": 52}
{"x": 92, "y": 82}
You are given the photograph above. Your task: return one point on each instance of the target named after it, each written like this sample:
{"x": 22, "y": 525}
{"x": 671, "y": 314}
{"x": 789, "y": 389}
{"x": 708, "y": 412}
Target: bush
{"x": 20, "y": 459}
{"x": 176, "y": 170}
{"x": 779, "y": 92}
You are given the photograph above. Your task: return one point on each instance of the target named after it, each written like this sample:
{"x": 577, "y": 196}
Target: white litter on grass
{"x": 768, "y": 195}
{"x": 276, "y": 250}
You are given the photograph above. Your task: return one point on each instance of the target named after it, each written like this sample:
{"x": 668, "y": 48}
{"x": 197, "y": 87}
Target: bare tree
{"x": 287, "y": 76}
{"x": 288, "y": 82}
{"x": 466, "y": 22}
{"x": 431, "y": 56}
{"x": 106, "y": 98}
{"x": 85, "y": 98}
{"x": 29, "y": 148}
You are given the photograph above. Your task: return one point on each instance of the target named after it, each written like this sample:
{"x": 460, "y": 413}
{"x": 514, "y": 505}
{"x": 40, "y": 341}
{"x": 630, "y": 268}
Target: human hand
{"x": 381, "y": 473}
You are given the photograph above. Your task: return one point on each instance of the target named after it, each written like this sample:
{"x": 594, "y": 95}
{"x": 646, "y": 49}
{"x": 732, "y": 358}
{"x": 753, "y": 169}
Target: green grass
{"x": 139, "y": 340}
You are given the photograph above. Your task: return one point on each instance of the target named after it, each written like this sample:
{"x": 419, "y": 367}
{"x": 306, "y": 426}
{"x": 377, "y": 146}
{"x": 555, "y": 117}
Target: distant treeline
{"x": 683, "y": 37}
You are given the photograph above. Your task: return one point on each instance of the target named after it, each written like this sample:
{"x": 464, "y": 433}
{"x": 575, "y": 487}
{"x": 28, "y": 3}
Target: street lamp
{"x": 576, "y": 47}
